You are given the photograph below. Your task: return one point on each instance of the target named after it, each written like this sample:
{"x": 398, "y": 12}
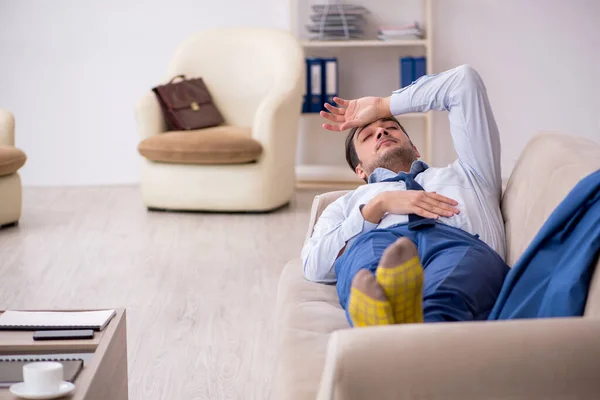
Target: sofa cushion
{"x": 216, "y": 145}
{"x": 548, "y": 168}
{"x": 11, "y": 159}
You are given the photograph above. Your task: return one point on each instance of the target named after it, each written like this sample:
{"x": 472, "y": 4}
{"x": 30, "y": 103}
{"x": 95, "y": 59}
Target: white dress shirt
{"x": 474, "y": 180}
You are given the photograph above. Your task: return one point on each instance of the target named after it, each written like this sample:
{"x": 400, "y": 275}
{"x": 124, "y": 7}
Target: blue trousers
{"x": 462, "y": 275}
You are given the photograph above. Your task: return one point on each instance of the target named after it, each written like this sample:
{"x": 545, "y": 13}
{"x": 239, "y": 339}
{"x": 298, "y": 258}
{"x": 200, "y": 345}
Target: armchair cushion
{"x": 11, "y": 159}
{"x": 216, "y": 145}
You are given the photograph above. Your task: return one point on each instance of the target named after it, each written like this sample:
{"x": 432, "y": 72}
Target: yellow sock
{"x": 367, "y": 311}
{"x": 403, "y": 286}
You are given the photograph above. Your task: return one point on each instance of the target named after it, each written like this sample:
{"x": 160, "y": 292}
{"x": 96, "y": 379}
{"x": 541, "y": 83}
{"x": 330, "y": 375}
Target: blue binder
{"x": 420, "y": 67}
{"x": 329, "y": 86}
{"x": 305, "y": 96}
{"x": 314, "y": 68}
{"x": 407, "y": 71}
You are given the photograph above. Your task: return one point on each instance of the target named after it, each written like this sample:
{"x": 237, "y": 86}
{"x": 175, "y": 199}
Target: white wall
{"x": 540, "y": 60}
{"x": 72, "y": 70}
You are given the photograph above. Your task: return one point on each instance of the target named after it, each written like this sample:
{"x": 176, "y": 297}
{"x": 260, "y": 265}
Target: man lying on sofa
{"x": 416, "y": 243}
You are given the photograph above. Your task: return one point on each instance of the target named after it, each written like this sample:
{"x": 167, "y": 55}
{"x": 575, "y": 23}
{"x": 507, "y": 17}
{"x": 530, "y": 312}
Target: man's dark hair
{"x": 351, "y": 156}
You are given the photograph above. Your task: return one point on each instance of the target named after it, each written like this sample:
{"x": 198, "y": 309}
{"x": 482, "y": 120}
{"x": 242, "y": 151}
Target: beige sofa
{"x": 11, "y": 159}
{"x": 522, "y": 359}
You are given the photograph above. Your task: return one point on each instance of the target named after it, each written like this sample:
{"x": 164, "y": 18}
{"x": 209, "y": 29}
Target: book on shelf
{"x": 305, "y": 97}
{"x": 398, "y": 37}
{"x": 330, "y": 81}
{"x": 407, "y": 32}
{"x": 314, "y": 76}
{"x": 420, "y": 67}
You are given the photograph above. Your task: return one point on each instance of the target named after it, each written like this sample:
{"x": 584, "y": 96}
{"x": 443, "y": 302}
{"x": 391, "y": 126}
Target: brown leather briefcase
{"x": 187, "y": 104}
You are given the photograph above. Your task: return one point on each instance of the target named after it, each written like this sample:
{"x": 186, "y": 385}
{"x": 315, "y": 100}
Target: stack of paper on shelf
{"x": 337, "y": 22}
{"x": 408, "y": 32}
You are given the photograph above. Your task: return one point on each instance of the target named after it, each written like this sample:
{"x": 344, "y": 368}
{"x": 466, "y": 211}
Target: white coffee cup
{"x": 43, "y": 377}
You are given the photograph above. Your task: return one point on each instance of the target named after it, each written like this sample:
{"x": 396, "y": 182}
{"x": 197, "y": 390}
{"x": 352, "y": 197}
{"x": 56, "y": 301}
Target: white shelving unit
{"x": 362, "y": 43}
{"x": 320, "y": 174}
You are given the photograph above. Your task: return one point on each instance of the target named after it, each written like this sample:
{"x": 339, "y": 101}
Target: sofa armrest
{"x": 520, "y": 359}
{"x": 149, "y": 117}
{"x": 7, "y": 128}
{"x": 320, "y": 203}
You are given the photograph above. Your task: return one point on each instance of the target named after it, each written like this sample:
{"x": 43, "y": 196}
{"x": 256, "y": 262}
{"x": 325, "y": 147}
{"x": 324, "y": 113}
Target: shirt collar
{"x": 381, "y": 174}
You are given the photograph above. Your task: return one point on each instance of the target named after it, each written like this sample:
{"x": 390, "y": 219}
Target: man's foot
{"x": 368, "y": 304}
{"x": 400, "y": 274}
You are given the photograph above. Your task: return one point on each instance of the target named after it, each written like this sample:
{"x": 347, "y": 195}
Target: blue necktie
{"x": 415, "y": 221}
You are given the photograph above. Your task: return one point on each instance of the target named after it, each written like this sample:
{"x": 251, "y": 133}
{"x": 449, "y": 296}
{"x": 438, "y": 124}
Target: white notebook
{"x": 52, "y": 320}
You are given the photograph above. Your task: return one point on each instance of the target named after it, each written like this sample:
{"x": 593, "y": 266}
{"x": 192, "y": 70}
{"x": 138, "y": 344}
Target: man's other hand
{"x": 353, "y": 113}
{"x": 404, "y": 202}
{"x": 425, "y": 204}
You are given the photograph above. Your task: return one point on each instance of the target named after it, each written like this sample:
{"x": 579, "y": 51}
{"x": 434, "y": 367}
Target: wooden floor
{"x": 199, "y": 289}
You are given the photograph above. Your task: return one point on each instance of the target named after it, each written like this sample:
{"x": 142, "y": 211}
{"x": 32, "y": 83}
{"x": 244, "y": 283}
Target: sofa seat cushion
{"x": 216, "y": 145}
{"x": 307, "y": 314}
{"x": 11, "y": 159}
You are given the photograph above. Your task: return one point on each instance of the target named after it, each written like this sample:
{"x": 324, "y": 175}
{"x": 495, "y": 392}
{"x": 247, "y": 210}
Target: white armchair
{"x": 11, "y": 159}
{"x": 255, "y": 77}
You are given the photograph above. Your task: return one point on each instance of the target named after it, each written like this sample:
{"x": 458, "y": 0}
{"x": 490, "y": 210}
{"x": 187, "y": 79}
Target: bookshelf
{"x": 367, "y": 67}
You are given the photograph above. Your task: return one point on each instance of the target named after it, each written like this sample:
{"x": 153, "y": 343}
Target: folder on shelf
{"x": 407, "y": 70}
{"x": 305, "y": 98}
{"x": 314, "y": 74}
{"x": 329, "y": 85}
{"x": 420, "y": 67}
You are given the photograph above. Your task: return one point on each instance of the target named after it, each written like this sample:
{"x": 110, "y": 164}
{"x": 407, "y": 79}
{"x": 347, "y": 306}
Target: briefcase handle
{"x": 178, "y": 76}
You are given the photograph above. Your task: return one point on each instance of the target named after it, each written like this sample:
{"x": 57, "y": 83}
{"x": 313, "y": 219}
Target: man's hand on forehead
{"x": 355, "y": 113}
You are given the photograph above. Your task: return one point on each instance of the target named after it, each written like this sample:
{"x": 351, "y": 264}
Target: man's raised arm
{"x": 461, "y": 92}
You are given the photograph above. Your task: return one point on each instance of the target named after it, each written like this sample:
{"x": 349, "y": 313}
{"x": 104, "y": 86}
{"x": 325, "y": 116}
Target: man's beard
{"x": 396, "y": 160}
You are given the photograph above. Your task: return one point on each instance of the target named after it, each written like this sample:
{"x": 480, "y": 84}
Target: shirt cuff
{"x": 356, "y": 224}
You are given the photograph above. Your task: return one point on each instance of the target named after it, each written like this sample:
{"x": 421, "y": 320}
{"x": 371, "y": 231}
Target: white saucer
{"x": 19, "y": 390}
